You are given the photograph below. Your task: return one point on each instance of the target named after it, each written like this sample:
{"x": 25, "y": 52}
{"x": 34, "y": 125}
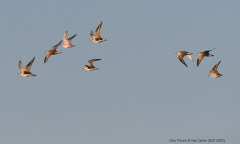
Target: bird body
{"x": 52, "y": 52}
{"x": 202, "y": 55}
{"x": 26, "y": 71}
{"x": 97, "y": 38}
{"x": 91, "y": 67}
{"x": 67, "y": 41}
{"x": 182, "y": 54}
{"x": 214, "y": 72}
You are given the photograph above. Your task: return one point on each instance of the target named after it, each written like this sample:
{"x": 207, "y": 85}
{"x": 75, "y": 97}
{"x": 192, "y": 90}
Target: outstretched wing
{"x": 65, "y": 40}
{"x": 180, "y": 57}
{"x": 189, "y": 56}
{"x": 207, "y": 51}
{"x": 97, "y": 32}
{"x": 69, "y": 39}
{"x": 91, "y": 62}
{"x": 92, "y": 35}
{"x": 199, "y": 59}
{"x": 55, "y": 47}
{"x": 214, "y": 69}
{"x": 47, "y": 57}
{"x": 28, "y": 67}
{"x": 20, "y": 66}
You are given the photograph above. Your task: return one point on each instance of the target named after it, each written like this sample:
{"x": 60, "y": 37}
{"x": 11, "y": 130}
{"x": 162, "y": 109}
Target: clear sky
{"x": 141, "y": 94}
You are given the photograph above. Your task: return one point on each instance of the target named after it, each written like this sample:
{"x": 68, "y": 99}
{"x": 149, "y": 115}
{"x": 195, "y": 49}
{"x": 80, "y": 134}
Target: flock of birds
{"x": 67, "y": 44}
{"x": 214, "y": 72}
{"x": 98, "y": 39}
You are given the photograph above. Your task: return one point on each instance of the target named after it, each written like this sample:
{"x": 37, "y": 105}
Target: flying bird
{"x": 90, "y": 67}
{"x": 26, "y": 72}
{"x": 67, "y": 41}
{"x": 203, "y": 54}
{"x": 97, "y": 38}
{"x": 52, "y": 52}
{"x": 182, "y": 54}
{"x": 214, "y": 72}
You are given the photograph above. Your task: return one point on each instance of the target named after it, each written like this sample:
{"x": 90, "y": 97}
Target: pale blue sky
{"x": 141, "y": 94}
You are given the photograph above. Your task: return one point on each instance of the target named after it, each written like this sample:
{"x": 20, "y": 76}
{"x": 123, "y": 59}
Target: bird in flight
{"x": 90, "y": 67}
{"x": 214, "y": 72}
{"x": 202, "y": 55}
{"x": 97, "y": 38}
{"x": 67, "y": 41}
{"x": 26, "y": 72}
{"x": 52, "y": 51}
{"x": 182, "y": 54}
